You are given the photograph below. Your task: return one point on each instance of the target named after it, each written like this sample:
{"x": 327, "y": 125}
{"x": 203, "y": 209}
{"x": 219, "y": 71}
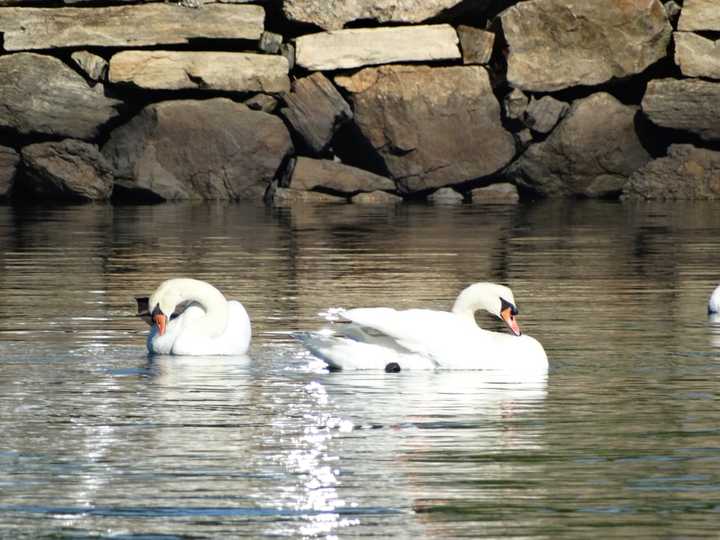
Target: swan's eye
{"x": 174, "y": 315}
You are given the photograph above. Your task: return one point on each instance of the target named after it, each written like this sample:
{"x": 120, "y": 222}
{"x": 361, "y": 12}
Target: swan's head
{"x": 493, "y": 298}
{"x": 166, "y": 300}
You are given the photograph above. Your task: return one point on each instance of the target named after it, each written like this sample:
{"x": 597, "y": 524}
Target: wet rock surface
{"x": 591, "y": 153}
{"x": 173, "y": 151}
{"x": 431, "y": 127}
{"x": 687, "y": 173}
{"x": 67, "y": 170}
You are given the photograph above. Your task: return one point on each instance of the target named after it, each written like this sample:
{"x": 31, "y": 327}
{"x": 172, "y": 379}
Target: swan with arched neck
{"x": 380, "y": 338}
{"x": 191, "y": 317}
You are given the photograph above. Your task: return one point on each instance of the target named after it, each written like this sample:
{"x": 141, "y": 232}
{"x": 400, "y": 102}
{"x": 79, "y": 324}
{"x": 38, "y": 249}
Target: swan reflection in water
{"x": 290, "y": 442}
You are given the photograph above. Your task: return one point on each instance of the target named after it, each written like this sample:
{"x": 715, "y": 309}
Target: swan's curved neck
{"x": 472, "y": 299}
{"x": 466, "y": 309}
{"x": 212, "y": 301}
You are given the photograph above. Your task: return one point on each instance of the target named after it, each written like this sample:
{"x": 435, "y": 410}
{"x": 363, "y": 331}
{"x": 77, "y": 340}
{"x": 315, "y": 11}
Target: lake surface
{"x": 622, "y": 439}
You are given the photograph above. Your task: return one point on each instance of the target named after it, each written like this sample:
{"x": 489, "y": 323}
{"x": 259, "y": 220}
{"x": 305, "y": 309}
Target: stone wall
{"x": 364, "y": 101}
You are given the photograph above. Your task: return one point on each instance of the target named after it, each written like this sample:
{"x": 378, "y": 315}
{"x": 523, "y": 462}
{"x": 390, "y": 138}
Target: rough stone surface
{"x": 698, "y": 15}
{"x": 592, "y": 152}
{"x": 685, "y": 173}
{"x": 315, "y": 109}
{"x": 9, "y": 160}
{"x": 376, "y": 198}
{"x": 287, "y": 50}
{"x": 94, "y": 66}
{"x": 445, "y": 196}
{"x": 476, "y": 44}
{"x": 186, "y": 149}
{"x": 270, "y": 42}
{"x": 66, "y": 170}
{"x": 503, "y": 193}
{"x": 262, "y": 102}
{"x": 523, "y": 138}
{"x": 335, "y": 14}
{"x": 41, "y": 95}
{"x": 543, "y": 114}
{"x": 334, "y": 176}
{"x": 178, "y": 70}
{"x": 556, "y": 44}
{"x": 672, "y": 9}
{"x": 515, "y": 104}
{"x": 284, "y": 197}
{"x": 697, "y": 56}
{"x": 344, "y": 49}
{"x": 430, "y": 127}
{"x": 685, "y": 104}
{"x": 126, "y": 26}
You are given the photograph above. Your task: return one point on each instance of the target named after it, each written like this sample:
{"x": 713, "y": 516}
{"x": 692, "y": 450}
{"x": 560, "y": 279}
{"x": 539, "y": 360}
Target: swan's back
{"x": 714, "y": 303}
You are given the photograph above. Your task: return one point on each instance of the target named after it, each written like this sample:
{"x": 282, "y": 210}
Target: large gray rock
{"x": 180, "y": 70}
{"x": 187, "y": 149}
{"x": 40, "y": 94}
{"x": 556, "y": 44}
{"x": 344, "y": 49}
{"x": 697, "y": 56}
{"x": 333, "y": 176}
{"x": 9, "y": 160}
{"x": 699, "y": 15}
{"x": 66, "y": 170}
{"x": 685, "y": 173}
{"x": 592, "y": 152}
{"x": 335, "y": 15}
{"x": 431, "y": 127}
{"x": 94, "y": 66}
{"x": 315, "y": 109}
{"x": 688, "y": 105}
{"x": 126, "y": 26}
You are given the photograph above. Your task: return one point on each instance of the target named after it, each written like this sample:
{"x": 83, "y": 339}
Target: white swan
{"x": 383, "y": 338}
{"x": 714, "y": 303}
{"x": 191, "y": 317}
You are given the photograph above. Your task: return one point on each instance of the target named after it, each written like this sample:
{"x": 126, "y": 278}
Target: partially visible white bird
{"x": 714, "y": 303}
{"x": 384, "y": 338}
{"x": 191, "y": 317}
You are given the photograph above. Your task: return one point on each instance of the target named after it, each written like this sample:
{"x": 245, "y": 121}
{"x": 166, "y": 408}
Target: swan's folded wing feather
{"x": 435, "y": 334}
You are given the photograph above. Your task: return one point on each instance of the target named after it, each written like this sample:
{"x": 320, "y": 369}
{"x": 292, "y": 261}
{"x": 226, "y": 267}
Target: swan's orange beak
{"x": 507, "y": 316}
{"x": 161, "y": 321}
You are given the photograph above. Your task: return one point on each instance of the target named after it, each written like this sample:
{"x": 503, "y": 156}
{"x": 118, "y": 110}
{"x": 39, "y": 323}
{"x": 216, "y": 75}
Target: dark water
{"x": 622, "y": 439}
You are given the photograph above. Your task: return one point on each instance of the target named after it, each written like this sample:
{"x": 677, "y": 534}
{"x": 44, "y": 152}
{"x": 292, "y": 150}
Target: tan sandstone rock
{"x": 556, "y": 44}
{"x": 126, "y": 26}
{"x": 697, "y": 56}
{"x": 430, "y": 126}
{"x": 176, "y": 70}
{"x": 344, "y": 49}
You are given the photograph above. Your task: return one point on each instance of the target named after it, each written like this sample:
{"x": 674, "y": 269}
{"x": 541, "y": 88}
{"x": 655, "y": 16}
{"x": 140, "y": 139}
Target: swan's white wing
{"x": 442, "y": 337}
{"x": 450, "y": 341}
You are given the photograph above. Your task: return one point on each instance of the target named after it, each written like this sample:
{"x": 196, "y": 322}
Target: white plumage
{"x": 376, "y": 338}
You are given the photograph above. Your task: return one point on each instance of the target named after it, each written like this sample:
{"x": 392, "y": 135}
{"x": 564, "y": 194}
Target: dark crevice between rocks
{"x": 353, "y": 148}
{"x": 122, "y": 195}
